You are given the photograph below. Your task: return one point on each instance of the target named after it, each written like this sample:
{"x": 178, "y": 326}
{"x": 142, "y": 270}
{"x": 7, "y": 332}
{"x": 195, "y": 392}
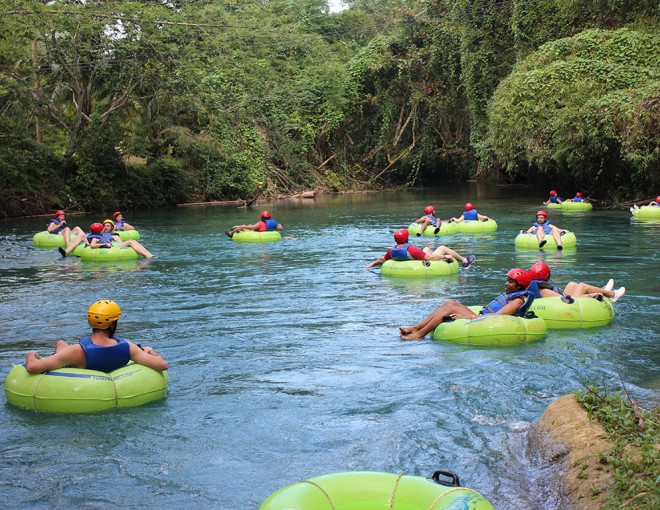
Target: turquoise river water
{"x": 285, "y": 358}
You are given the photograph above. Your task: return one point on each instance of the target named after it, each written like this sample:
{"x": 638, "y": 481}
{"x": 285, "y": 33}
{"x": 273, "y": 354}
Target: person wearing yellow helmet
{"x": 101, "y": 350}
{"x": 109, "y": 236}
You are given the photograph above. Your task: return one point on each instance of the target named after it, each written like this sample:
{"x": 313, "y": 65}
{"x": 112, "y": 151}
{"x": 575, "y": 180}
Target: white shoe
{"x": 617, "y": 294}
{"x": 632, "y": 210}
{"x": 609, "y": 285}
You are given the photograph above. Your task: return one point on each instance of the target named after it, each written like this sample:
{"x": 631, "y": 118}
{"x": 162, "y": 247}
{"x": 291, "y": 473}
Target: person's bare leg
{"x": 425, "y": 224}
{"x": 443, "y": 250}
{"x": 431, "y": 322}
{"x": 61, "y": 344}
{"x": 140, "y": 249}
{"x": 576, "y": 290}
{"x": 557, "y": 236}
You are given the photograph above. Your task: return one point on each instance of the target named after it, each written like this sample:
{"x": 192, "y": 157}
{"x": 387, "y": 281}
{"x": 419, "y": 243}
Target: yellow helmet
{"x": 109, "y": 221}
{"x": 103, "y": 313}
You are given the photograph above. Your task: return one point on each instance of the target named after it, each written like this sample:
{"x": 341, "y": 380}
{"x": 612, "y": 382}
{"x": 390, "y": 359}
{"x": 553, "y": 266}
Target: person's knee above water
{"x": 265, "y": 224}
{"x": 120, "y": 223}
{"x": 542, "y": 227}
{"x": 110, "y": 235}
{"x": 541, "y": 286}
{"x": 406, "y": 251}
{"x": 58, "y": 225}
{"x": 101, "y": 351}
{"x": 514, "y": 301}
{"x": 470, "y": 214}
{"x": 429, "y": 219}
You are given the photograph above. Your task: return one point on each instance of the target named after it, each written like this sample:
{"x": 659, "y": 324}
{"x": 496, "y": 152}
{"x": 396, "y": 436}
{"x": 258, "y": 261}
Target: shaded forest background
{"x": 138, "y": 104}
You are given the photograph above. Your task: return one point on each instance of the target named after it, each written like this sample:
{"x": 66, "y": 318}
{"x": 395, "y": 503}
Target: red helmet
{"x": 401, "y": 235}
{"x": 469, "y": 206}
{"x": 57, "y": 213}
{"x": 553, "y": 193}
{"x": 265, "y": 214}
{"x": 540, "y": 271}
{"x": 116, "y": 214}
{"x": 429, "y": 209}
{"x": 96, "y": 228}
{"x": 521, "y": 276}
{"x": 579, "y": 194}
{"x": 657, "y": 199}
{"x": 542, "y": 213}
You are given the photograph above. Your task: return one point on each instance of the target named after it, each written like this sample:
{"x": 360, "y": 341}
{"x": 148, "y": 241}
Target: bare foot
{"x": 406, "y": 330}
{"x": 415, "y": 335}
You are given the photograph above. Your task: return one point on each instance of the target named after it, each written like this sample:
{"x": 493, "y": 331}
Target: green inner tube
{"x": 127, "y": 235}
{"x": 491, "y": 330}
{"x": 113, "y": 254}
{"x": 418, "y": 268}
{"x": 552, "y": 205}
{"x": 446, "y": 229}
{"x": 364, "y": 490}
{"x": 45, "y": 239}
{"x": 77, "y": 390}
{"x": 576, "y": 206}
{"x": 252, "y": 236}
{"x": 647, "y": 212}
{"x": 585, "y": 312}
{"x": 476, "y": 226}
{"x": 530, "y": 241}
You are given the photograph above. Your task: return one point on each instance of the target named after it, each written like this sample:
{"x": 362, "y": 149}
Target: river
{"x": 285, "y": 358}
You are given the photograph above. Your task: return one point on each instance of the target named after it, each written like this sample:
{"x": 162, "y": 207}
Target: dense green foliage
{"x": 590, "y": 102}
{"x": 635, "y": 458}
{"x": 146, "y": 103}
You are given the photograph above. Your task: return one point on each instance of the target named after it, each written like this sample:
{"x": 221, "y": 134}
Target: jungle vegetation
{"x": 147, "y": 103}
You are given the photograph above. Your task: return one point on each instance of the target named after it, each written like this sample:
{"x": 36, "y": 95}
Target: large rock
{"x": 565, "y": 438}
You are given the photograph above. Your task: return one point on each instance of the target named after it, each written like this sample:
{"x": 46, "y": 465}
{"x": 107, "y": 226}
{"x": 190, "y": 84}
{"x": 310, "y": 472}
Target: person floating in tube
{"x": 265, "y": 224}
{"x": 515, "y": 301}
{"x": 553, "y": 199}
{"x": 541, "y": 286}
{"x": 470, "y": 214}
{"x": 405, "y": 251}
{"x": 101, "y": 351}
{"x": 541, "y": 228}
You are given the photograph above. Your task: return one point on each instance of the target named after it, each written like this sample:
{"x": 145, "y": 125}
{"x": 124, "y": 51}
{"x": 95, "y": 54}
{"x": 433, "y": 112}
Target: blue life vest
{"x": 471, "y": 215}
{"x": 268, "y": 225}
{"x": 546, "y": 227}
{"x": 106, "y": 359}
{"x": 119, "y": 224}
{"x": 577, "y": 199}
{"x": 502, "y": 300}
{"x": 553, "y": 200}
{"x": 401, "y": 253}
{"x": 434, "y": 220}
{"x": 93, "y": 236}
{"x": 536, "y": 286}
{"x": 106, "y": 237}
{"x": 58, "y": 229}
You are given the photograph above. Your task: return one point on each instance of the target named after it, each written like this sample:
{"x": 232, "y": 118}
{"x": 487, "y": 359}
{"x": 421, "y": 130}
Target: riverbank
{"x": 565, "y": 438}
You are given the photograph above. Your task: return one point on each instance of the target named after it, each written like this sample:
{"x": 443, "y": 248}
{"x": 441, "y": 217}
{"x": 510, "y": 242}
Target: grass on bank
{"x": 635, "y": 456}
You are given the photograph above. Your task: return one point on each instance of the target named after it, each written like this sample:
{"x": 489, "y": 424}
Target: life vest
{"x": 401, "y": 253}
{"x": 545, "y": 226}
{"x": 265, "y": 226}
{"x": 503, "y": 299}
{"x": 106, "y": 359}
{"x": 471, "y": 215}
{"x": 536, "y": 286}
{"x": 106, "y": 237}
{"x": 93, "y": 236}
{"x": 58, "y": 229}
{"x": 553, "y": 200}
{"x": 577, "y": 199}
{"x": 119, "y": 224}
